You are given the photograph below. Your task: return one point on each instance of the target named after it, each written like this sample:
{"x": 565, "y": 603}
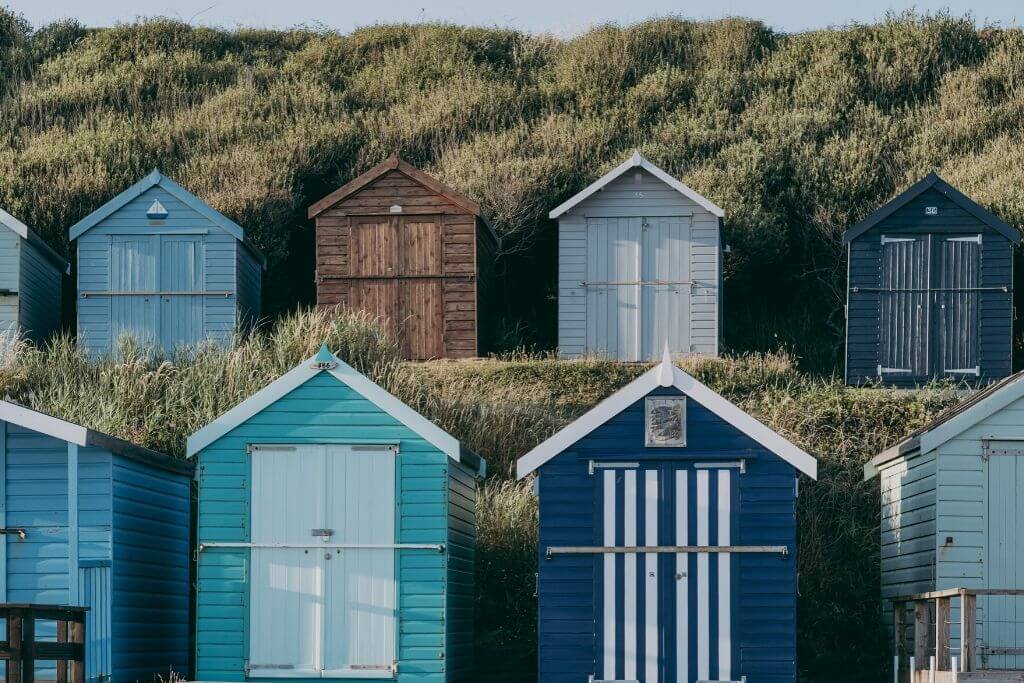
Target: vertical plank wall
{"x": 220, "y": 260}
{"x": 150, "y": 573}
{"x": 619, "y": 199}
{"x": 461, "y": 570}
{"x": 995, "y": 308}
{"x": 767, "y": 516}
{"x": 39, "y": 290}
{"x": 324, "y": 410}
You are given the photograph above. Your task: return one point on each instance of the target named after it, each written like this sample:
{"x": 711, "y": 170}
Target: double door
{"x": 396, "y": 270}
{"x": 322, "y": 586}
{"x": 157, "y": 289}
{"x": 638, "y": 286}
{"x": 666, "y": 617}
{"x": 929, "y": 306}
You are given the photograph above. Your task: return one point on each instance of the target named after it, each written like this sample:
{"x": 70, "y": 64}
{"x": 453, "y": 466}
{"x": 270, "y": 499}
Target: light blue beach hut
{"x": 88, "y": 519}
{"x": 336, "y": 535}
{"x": 31, "y": 282}
{"x": 160, "y": 265}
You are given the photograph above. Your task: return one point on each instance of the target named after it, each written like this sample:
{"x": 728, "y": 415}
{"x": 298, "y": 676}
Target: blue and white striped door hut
{"x": 667, "y": 539}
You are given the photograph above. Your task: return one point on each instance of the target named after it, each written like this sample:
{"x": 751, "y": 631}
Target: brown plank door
{"x": 421, "y": 297}
{"x": 373, "y": 255}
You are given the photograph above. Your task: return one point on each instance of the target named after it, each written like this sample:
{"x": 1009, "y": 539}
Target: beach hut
{"x": 31, "y": 283}
{"x": 158, "y": 264}
{"x": 90, "y": 520}
{"x": 667, "y": 539}
{"x": 639, "y": 262}
{"x": 336, "y": 535}
{"x": 412, "y": 252}
{"x": 951, "y": 516}
{"x": 930, "y": 291}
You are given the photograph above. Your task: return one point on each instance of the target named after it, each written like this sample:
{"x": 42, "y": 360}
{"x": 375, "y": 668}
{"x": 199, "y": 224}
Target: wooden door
{"x": 373, "y": 247}
{"x": 957, "y": 276}
{"x": 613, "y": 287}
{"x": 422, "y": 318}
{"x": 286, "y": 585}
{"x": 360, "y": 597}
{"x": 182, "y": 304}
{"x": 378, "y": 298}
{"x": 133, "y": 288}
{"x": 1001, "y": 617}
{"x": 665, "y": 300}
{"x": 904, "y": 316}
{"x": 422, "y": 246}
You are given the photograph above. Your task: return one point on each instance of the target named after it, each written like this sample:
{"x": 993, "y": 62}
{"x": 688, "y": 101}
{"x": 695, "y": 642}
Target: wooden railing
{"x": 931, "y": 657}
{"x": 21, "y": 650}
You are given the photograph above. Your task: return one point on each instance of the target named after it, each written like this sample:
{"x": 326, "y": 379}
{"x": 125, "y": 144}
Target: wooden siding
{"x": 150, "y": 578}
{"x": 250, "y": 288}
{"x": 461, "y": 599}
{"x": 620, "y": 199}
{"x": 416, "y": 270}
{"x": 219, "y": 269}
{"x": 10, "y": 279}
{"x": 995, "y": 308}
{"x": 39, "y": 293}
{"x": 766, "y": 631}
{"x": 324, "y": 410}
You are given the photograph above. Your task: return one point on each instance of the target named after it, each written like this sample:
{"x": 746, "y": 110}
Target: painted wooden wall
{"x": 30, "y": 289}
{"x": 126, "y": 251}
{"x": 433, "y": 499}
{"x": 626, "y": 197}
{"x": 864, "y": 315}
{"x": 766, "y": 633}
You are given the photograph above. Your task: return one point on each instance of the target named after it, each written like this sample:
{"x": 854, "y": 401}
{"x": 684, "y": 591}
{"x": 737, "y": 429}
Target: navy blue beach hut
{"x": 158, "y": 264}
{"x": 91, "y": 520}
{"x": 667, "y": 539}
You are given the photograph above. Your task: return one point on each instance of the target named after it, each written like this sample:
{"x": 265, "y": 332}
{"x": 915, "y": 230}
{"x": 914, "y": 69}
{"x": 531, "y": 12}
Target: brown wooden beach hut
{"x": 402, "y": 246}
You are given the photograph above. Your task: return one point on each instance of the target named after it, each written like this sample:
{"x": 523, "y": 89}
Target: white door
{"x": 325, "y": 605}
{"x": 613, "y": 287}
{"x": 360, "y": 594}
{"x": 665, "y": 303}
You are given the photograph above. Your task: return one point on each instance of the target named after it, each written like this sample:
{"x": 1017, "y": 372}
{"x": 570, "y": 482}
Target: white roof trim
{"x": 637, "y": 160}
{"x": 347, "y": 375}
{"x": 13, "y": 224}
{"x": 664, "y": 375}
{"x": 43, "y": 423}
{"x": 961, "y": 422}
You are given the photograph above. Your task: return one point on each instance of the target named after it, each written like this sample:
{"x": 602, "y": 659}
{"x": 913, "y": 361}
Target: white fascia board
{"x": 636, "y": 161}
{"x": 347, "y": 375}
{"x": 43, "y": 423}
{"x": 666, "y": 374}
{"x": 13, "y": 224}
{"x": 957, "y": 424}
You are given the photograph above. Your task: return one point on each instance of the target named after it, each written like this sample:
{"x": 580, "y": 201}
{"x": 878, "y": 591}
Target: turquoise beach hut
{"x": 336, "y": 535}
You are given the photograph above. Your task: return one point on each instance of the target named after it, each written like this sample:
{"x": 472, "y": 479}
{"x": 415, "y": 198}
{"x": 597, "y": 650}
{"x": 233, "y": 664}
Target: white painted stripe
{"x": 683, "y": 582}
{"x": 651, "y": 582}
{"x": 703, "y": 587}
{"x": 609, "y": 575}
{"x": 724, "y": 576}
{"x": 629, "y": 640}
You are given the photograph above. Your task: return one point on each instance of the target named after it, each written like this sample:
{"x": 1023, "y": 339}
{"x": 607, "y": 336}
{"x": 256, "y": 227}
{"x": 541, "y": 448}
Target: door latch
{"x": 322, "y": 533}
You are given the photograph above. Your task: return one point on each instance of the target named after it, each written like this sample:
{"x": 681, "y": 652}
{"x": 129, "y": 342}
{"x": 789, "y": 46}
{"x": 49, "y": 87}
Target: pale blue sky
{"x": 565, "y": 17}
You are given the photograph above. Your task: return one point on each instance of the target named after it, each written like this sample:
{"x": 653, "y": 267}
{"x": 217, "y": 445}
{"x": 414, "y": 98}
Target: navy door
{"x": 665, "y": 617}
{"x": 957, "y": 278}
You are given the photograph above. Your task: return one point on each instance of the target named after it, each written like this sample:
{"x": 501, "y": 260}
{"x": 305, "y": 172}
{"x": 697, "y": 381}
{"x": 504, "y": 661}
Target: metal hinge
{"x": 13, "y": 531}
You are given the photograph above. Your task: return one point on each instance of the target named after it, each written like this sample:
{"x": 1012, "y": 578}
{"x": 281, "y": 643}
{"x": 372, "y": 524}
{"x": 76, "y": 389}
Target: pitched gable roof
{"x": 637, "y": 160}
{"x": 666, "y": 374}
{"x": 157, "y": 179}
{"x": 325, "y": 361}
{"x": 23, "y": 231}
{"x": 83, "y": 436}
{"x": 393, "y": 163}
{"x": 929, "y": 182}
{"x": 952, "y": 422}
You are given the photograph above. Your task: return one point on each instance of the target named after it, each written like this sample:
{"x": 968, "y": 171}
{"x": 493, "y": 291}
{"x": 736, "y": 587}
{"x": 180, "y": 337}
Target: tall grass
{"x": 797, "y": 136}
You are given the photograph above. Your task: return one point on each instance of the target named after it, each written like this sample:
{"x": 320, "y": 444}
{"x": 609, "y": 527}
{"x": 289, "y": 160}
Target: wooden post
{"x": 62, "y": 665}
{"x": 14, "y": 637}
{"x": 942, "y": 617}
{"x": 968, "y": 617}
{"x": 78, "y": 636}
{"x": 28, "y": 650}
{"x": 922, "y": 616}
{"x": 899, "y": 613}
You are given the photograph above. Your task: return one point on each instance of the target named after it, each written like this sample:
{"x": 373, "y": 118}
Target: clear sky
{"x": 562, "y": 17}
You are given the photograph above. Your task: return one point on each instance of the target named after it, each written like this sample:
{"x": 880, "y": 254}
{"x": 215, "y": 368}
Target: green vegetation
{"x": 797, "y": 136}
{"x": 502, "y": 408}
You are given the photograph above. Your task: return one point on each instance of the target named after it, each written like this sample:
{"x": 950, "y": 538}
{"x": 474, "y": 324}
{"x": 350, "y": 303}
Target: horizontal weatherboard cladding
{"x": 765, "y": 633}
{"x": 435, "y": 499}
{"x": 993, "y": 300}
